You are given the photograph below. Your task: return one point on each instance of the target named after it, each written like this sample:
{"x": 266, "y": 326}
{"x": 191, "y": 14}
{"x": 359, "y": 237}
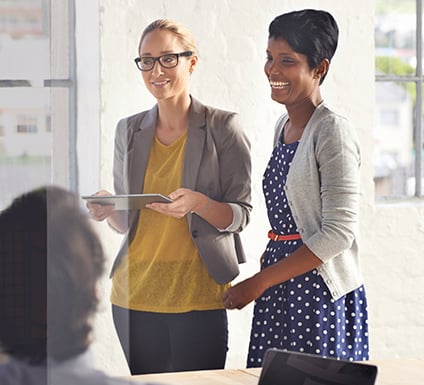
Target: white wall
{"x": 232, "y": 37}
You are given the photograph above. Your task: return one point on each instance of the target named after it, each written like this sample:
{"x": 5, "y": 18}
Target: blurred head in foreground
{"x": 50, "y": 262}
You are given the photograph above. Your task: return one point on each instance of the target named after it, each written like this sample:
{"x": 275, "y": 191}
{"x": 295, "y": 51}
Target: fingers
{"x": 229, "y": 304}
{"x": 103, "y": 192}
{"x": 99, "y": 212}
{"x": 178, "y": 193}
{"x": 173, "y": 209}
{"x": 228, "y": 300}
{"x": 180, "y": 206}
{"x": 232, "y": 304}
{"x": 97, "y": 215}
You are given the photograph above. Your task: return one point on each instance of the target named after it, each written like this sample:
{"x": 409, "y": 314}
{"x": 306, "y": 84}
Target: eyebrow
{"x": 281, "y": 53}
{"x": 161, "y": 53}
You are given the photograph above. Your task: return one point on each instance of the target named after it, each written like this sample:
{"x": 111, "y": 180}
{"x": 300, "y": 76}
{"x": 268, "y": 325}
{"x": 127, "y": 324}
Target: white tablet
{"x": 127, "y": 202}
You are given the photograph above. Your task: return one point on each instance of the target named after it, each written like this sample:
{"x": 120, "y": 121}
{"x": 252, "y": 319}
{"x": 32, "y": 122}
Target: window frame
{"x": 418, "y": 80}
{"x": 64, "y": 170}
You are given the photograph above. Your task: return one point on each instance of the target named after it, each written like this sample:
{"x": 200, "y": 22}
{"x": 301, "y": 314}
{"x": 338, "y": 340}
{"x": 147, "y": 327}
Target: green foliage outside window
{"x": 394, "y": 66}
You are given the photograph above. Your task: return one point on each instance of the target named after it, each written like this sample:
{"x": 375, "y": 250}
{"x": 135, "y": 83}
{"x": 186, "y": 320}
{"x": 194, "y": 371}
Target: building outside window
{"x": 37, "y": 88}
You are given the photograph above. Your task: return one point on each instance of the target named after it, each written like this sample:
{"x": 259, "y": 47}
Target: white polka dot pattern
{"x": 300, "y": 314}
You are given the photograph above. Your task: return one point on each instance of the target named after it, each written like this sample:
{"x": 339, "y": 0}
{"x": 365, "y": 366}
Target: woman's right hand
{"x": 99, "y": 212}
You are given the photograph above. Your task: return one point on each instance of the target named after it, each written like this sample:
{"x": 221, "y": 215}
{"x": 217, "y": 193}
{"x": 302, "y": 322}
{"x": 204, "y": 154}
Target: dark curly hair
{"x": 313, "y": 33}
{"x": 50, "y": 261}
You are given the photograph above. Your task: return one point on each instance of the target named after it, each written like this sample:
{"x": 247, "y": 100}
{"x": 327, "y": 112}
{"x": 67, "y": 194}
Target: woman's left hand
{"x": 184, "y": 201}
{"x": 241, "y": 294}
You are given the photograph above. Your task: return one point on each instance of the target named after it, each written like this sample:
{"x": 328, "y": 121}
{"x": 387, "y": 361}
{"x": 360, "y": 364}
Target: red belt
{"x": 279, "y": 237}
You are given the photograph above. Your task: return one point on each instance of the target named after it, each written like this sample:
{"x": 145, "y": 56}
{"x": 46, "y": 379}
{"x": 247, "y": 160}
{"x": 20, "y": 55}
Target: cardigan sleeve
{"x": 324, "y": 187}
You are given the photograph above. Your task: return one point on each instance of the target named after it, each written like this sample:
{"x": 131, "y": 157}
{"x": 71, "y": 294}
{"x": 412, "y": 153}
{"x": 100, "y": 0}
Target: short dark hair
{"x": 311, "y": 32}
{"x": 50, "y": 261}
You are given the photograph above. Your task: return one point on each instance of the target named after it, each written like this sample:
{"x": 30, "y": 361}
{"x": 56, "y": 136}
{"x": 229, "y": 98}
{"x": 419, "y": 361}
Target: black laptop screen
{"x": 290, "y": 368}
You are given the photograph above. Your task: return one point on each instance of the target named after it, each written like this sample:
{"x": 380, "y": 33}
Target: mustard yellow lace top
{"x": 163, "y": 271}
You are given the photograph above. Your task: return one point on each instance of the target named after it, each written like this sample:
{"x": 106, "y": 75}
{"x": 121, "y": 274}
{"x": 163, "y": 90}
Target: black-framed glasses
{"x": 169, "y": 60}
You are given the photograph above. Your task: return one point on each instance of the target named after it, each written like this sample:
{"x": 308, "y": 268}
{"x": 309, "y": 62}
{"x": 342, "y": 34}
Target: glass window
{"x": 36, "y": 89}
{"x": 398, "y": 155}
{"x": 389, "y": 118}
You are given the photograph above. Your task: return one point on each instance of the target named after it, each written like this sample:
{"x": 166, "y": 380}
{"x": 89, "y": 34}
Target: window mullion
{"x": 419, "y": 104}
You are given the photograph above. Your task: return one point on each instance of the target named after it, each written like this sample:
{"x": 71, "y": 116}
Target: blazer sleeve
{"x": 120, "y": 162}
{"x": 119, "y": 159}
{"x": 233, "y": 148}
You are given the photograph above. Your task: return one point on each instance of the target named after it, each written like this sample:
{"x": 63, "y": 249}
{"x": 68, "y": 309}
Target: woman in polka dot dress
{"x": 309, "y": 292}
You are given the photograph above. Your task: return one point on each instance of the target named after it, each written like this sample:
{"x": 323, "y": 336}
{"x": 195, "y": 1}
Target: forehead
{"x": 279, "y": 45}
{"x": 160, "y": 41}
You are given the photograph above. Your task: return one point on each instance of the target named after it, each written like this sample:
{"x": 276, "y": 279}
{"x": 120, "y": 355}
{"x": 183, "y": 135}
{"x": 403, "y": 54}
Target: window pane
{"x": 61, "y": 150}
{"x": 25, "y": 141}
{"x": 59, "y": 40}
{"x": 398, "y": 76}
{"x": 24, "y": 40}
{"x": 34, "y": 46}
{"x": 25, "y": 105}
{"x": 395, "y": 37}
{"x": 394, "y": 158}
{"x": 420, "y": 158}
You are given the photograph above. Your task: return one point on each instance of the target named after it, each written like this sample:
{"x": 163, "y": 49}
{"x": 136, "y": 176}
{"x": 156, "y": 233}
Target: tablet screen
{"x": 292, "y": 368}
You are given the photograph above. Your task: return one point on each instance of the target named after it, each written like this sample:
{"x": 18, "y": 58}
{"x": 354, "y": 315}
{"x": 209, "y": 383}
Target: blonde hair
{"x": 183, "y": 33}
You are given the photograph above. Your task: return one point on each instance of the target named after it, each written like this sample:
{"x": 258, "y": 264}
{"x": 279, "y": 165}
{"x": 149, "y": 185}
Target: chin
{"x": 277, "y": 99}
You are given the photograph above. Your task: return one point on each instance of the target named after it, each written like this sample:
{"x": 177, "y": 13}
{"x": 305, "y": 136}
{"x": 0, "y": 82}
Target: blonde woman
{"x": 178, "y": 258}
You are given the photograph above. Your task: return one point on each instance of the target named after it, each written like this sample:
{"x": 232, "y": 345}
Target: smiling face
{"x": 166, "y": 83}
{"x": 291, "y": 80}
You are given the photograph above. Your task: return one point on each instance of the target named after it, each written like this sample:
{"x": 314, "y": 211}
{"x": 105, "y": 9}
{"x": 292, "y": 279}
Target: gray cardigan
{"x": 323, "y": 194}
{"x": 216, "y": 163}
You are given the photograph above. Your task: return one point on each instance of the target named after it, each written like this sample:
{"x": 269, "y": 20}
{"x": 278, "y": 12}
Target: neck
{"x": 300, "y": 113}
{"x": 173, "y": 113}
{"x": 172, "y": 120}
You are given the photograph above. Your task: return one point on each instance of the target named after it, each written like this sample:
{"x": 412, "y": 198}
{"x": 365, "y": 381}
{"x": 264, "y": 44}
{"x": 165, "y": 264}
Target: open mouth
{"x": 278, "y": 85}
{"x": 161, "y": 83}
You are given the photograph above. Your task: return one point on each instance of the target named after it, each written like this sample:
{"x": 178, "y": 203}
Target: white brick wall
{"x": 232, "y": 36}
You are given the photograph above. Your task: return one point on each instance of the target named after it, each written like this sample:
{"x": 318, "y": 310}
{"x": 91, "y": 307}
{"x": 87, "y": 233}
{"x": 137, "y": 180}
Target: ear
{"x": 193, "y": 62}
{"x": 322, "y": 68}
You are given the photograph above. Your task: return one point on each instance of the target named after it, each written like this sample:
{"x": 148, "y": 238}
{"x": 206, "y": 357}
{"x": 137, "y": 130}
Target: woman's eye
{"x": 168, "y": 59}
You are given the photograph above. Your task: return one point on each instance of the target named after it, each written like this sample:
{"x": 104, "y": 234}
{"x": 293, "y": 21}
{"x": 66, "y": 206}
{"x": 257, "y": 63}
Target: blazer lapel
{"x": 139, "y": 153}
{"x": 194, "y": 145}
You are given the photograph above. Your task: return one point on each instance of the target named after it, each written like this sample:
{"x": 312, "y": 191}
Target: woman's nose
{"x": 157, "y": 68}
{"x": 272, "y": 67}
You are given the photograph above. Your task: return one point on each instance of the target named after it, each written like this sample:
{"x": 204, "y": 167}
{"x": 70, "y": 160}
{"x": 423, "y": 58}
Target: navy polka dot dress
{"x": 300, "y": 314}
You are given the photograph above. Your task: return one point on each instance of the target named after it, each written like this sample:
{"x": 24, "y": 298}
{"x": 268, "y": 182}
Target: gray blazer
{"x": 216, "y": 163}
{"x": 322, "y": 190}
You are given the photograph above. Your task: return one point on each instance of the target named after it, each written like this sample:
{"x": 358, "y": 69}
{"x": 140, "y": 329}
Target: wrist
{"x": 205, "y": 206}
{"x": 261, "y": 281}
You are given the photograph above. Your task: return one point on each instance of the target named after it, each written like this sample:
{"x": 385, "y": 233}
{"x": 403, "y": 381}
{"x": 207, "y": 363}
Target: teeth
{"x": 278, "y": 84}
{"x": 160, "y": 83}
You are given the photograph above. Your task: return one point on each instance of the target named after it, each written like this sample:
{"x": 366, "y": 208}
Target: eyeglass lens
{"x": 167, "y": 61}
